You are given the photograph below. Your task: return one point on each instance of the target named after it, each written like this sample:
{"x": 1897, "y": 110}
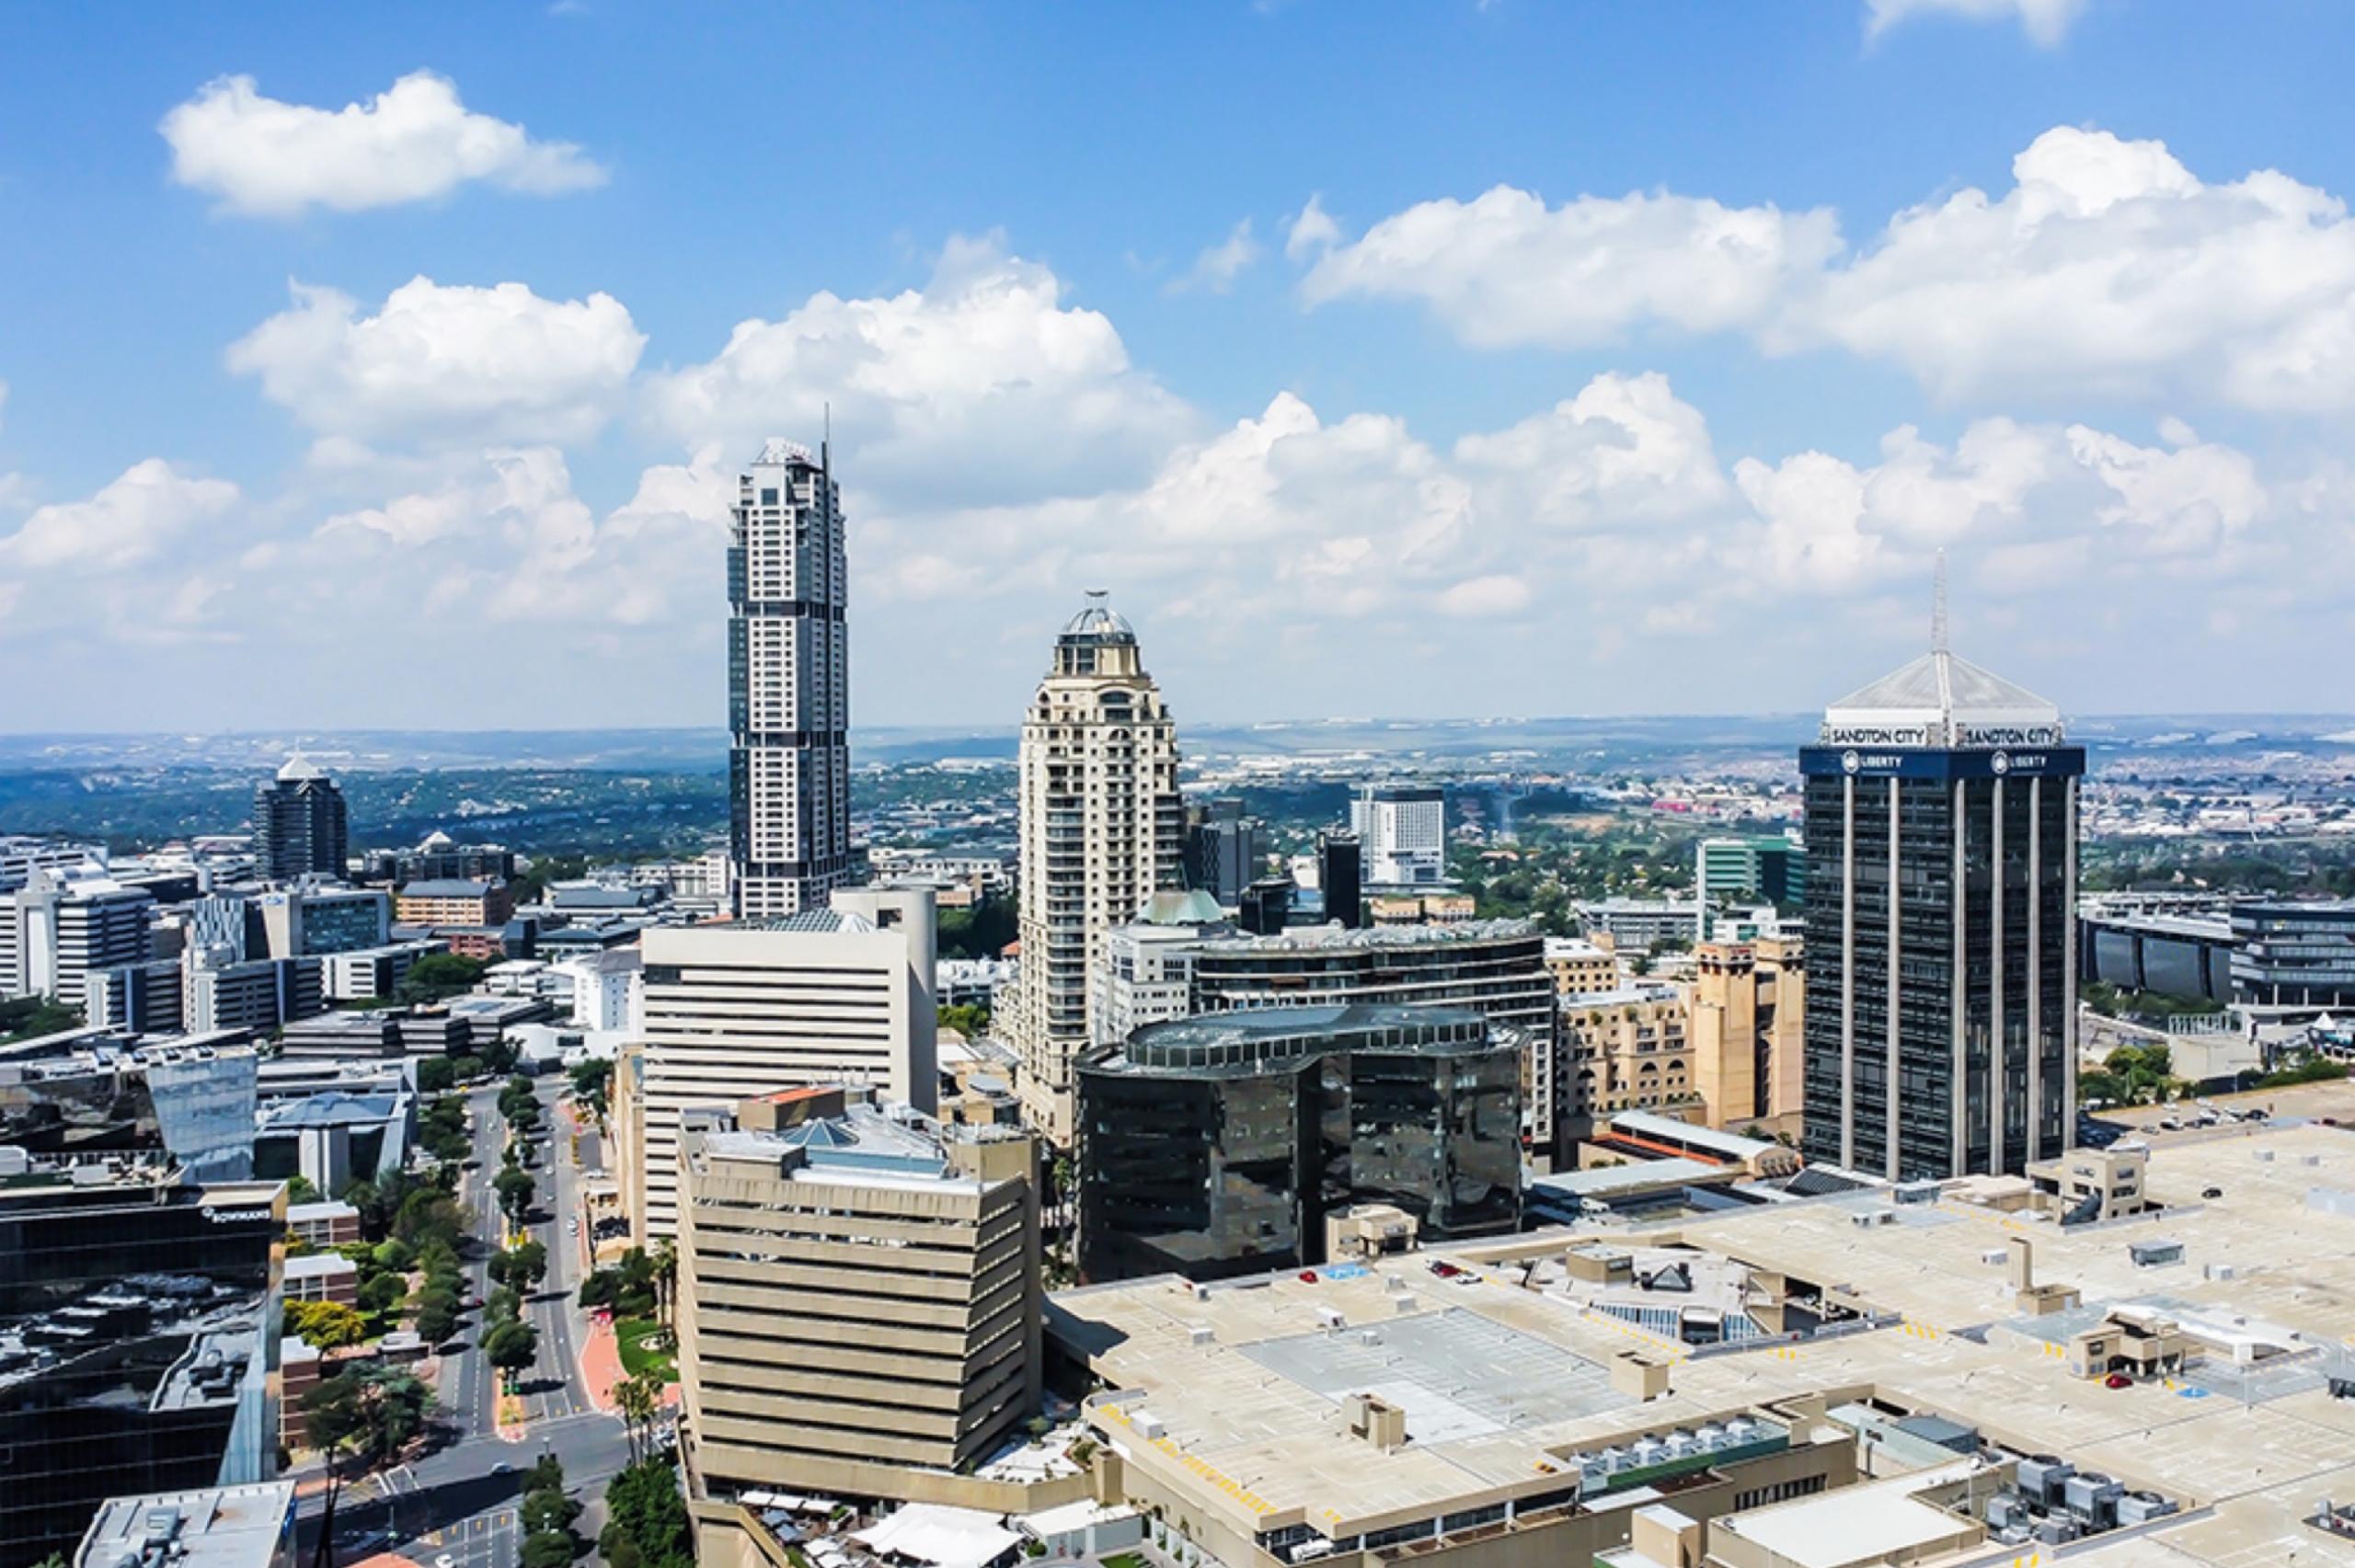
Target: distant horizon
{"x": 299, "y": 733}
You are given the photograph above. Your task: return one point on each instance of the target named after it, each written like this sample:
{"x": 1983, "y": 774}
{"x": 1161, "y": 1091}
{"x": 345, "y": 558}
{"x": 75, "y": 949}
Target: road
{"x": 460, "y": 1501}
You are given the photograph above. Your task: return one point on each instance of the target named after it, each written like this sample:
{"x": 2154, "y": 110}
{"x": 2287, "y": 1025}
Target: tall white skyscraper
{"x": 788, "y": 685}
{"x": 1102, "y": 830}
{"x": 1404, "y": 829}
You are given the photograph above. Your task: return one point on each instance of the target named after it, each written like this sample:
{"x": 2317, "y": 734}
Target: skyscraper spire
{"x": 1938, "y": 606}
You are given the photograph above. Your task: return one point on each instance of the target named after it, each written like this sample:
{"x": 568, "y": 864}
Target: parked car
{"x": 2118, "y": 1380}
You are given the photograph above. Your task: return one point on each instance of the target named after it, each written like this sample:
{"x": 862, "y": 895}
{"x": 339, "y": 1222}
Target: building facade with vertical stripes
{"x": 788, "y": 686}
{"x": 1941, "y": 811}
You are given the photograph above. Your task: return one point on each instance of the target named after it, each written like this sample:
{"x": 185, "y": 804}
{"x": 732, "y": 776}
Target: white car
{"x": 445, "y": 1560}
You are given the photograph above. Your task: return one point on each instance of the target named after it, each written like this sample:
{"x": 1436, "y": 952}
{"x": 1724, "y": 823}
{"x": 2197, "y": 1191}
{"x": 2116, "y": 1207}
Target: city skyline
{"x": 1569, "y": 402}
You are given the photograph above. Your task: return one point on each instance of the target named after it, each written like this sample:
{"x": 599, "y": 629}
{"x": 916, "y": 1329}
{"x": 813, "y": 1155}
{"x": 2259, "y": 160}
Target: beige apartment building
{"x": 839, "y": 995}
{"x": 1103, "y": 830}
{"x": 1748, "y": 1016}
{"x": 859, "y": 1305}
{"x": 1581, "y": 968}
{"x": 1626, "y": 1051}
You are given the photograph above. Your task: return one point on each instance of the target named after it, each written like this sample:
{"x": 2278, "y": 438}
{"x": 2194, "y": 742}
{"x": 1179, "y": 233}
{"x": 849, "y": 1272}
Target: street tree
{"x": 382, "y": 1293}
{"x": 515, "y": 1189}
{"x": 368, "y": 1408}
{"x": 523, "y": 1266}
{"x": 511, "y": 1345}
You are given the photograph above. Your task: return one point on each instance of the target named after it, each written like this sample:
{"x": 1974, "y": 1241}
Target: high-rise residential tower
{"x": 299, "y": 826}
{"x": 1102, "y": 831}
{"x": 788, "y": 685}
{"x": 1941, "y": 807}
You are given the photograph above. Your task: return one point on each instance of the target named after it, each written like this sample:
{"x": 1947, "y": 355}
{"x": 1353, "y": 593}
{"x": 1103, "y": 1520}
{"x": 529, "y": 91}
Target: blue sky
{"x": 1574, "y": 359}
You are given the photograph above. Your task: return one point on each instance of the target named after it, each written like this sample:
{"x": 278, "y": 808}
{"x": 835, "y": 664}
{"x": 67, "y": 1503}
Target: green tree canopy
{"x": 368, "y": 1408}
{"x": 325, "y": 1325}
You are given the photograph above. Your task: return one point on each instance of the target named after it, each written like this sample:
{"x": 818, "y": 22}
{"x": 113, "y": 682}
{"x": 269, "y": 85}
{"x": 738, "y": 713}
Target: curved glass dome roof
{"x": 1099, "y": 621}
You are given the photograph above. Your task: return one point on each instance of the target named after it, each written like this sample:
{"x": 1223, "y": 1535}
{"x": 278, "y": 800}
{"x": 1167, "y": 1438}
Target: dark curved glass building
{"x": 1215, "y": 1147}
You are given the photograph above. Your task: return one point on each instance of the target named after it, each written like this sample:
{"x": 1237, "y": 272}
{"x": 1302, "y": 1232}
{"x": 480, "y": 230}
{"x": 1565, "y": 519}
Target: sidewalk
{"x": 600, "y": 1368}
{"x": 600, "y": 1364}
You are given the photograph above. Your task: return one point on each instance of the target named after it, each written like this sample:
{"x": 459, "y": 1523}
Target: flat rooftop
{"x": 1502, "y": 1383}
{"x": 224, "y": 1527}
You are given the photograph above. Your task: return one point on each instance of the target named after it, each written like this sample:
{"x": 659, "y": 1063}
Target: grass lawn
{"x": 637, "y": 1358}
{"x": 1124, "y": 1559}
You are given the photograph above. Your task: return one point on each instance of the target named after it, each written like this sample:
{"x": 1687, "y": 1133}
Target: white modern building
{"x": 64, "y": 924}
{"x": 788, "y": 686}
{"x": 1103, "y": 830}
{"x": 1147, "y": 973}
{"x": 1404, "y": 830}
{"x": 603, "y": 987}
{"x": 837, "y": 995}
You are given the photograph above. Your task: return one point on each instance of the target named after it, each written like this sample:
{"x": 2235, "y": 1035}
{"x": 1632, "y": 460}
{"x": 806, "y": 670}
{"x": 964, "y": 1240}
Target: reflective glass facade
{"x": 139, "y": 1326}
{"x": 1215, "y": 1147}
{"x": 1940, "y": 945}
{"x": 198, "y": 1109}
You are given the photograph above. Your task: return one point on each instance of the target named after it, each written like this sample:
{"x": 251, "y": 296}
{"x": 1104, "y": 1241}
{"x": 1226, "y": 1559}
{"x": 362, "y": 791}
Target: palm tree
{"x": 637, "y": 1399}
{"x": 666, "y": 1269}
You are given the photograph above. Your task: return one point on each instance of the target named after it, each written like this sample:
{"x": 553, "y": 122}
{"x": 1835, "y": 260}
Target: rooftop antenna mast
{"x": 826, "y": 445}
{"x": 1940, "y": 656}
{"x": 1938, "y": 606}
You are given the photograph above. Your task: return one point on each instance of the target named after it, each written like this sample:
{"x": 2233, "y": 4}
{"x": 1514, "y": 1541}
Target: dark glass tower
{"x": 299, "y": 826}
{"x": 139, "y": 1329}
{"x": 1941, "y": 809}
{"x": 1217, "y": 1146}
{"x": 1341, "y": 872}
{"x": 788, "y": 685}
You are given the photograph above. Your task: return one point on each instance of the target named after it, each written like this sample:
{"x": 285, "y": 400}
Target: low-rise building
{"x": 1146, "y": 972}
{"x": 1217, "y": 1146}
{"x": 213, "y": 1526}
{"x": 329, "y": 1222}
{"x": 323, "y": 1276}
{"x": 453, "y": 901}
{"x": 1639, "y": 925}
{"x": 1581, "y": 968}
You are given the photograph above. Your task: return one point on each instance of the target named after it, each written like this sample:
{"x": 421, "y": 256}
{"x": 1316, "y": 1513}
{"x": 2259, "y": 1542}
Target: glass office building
{"x": 1215, "y": 1147}
{"x": 2293, "y": 955}
{"x": 88, "y": 1097}
{"x": 139, "y": 1327}
{"x": 1941, "y": 811}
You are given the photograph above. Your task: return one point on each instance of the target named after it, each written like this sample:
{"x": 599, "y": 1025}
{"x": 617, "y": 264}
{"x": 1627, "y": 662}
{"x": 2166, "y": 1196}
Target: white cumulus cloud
{"x": 981, "y": 386}
{"x": 2109, "y": 268}
{"x": 1506, "y": 268}
{"x": 2046, "y": 22}
{"x": 127, "y": 523}
{"x": 441, "y": 362}
{"x": 411, "y": 142}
